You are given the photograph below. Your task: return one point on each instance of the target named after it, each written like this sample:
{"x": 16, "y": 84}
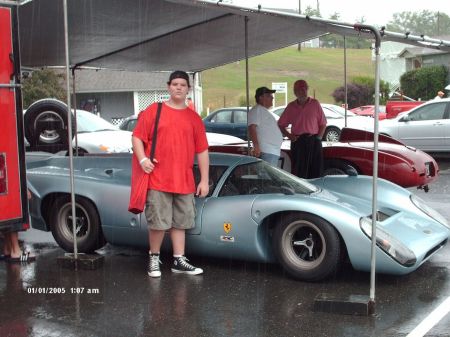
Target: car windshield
{"x": 262, "y": 178}
{"x": 88, "y": 122}
{"x": 334, "y": 111}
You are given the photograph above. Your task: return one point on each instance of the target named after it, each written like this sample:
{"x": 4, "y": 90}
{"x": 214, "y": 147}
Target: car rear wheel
{"x": 332, "y": 134}
{"x": 307, "y": 246}
{"x": 88, "y": 230}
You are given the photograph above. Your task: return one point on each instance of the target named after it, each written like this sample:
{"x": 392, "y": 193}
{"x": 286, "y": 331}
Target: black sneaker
{"x": 181, "y": 265}
{"x": 153, "y": 266}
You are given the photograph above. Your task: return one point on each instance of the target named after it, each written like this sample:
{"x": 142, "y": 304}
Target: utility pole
{"x": 299, "y": 47}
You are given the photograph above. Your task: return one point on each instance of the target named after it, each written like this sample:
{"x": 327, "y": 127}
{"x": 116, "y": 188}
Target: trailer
{"x": 13, "y": 189}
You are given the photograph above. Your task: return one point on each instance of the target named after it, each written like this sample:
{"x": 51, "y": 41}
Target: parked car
{"x": 229, "y": 121}
{"x": 336, "y": 121}
{"x": 46, "y": 129}
{"x": 369, "y": 110}
{"x": 394, "y": 107}
{"x": 426, "y": 127}
{"x": 254, "y": 212}
{"x": 129, "y": 124}
{"x": 403, "y": 165}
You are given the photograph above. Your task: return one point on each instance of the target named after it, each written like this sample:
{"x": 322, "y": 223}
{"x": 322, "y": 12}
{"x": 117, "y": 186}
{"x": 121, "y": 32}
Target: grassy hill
{"x": 322, "y": 68}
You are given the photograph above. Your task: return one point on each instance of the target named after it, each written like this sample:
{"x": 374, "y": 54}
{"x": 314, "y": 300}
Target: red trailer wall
{"x": 11, "y": 207}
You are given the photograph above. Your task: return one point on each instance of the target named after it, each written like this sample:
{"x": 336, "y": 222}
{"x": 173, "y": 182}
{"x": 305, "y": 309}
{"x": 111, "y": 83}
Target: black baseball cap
{"x": 179, "y": 74}
{"x": 263, "y": 90}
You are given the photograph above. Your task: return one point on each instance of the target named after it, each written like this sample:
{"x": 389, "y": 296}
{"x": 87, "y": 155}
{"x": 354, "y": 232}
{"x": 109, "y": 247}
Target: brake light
{"x": 3, "y": 181}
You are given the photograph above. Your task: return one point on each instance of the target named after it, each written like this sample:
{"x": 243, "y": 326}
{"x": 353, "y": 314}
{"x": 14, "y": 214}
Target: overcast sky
{"x": 375, "y": 12}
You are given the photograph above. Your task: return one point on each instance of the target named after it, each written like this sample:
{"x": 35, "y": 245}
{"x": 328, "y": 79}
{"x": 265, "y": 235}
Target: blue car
{"x": 228, "y": 121}
{"x": 253, "y": 212}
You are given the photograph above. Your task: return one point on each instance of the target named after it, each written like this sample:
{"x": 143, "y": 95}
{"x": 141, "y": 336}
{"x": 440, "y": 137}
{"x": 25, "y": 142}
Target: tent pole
{"x": 345, "y": 81}
{"x": 69, "y": 131}
{"x": 247, "y": 92}
{"x": 74, "y": 101}
{"x": 375, "y": 169}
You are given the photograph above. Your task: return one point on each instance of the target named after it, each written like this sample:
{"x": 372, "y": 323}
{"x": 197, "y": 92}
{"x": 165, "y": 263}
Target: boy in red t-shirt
{"x": 170, "y": 200}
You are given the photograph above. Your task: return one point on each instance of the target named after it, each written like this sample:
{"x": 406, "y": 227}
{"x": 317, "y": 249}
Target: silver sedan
{"x": 426, "y": 127}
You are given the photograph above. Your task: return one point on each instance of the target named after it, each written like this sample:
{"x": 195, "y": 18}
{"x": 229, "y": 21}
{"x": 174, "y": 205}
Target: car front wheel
{"x": 339, "y": 167}
{"x": 307, "y": 246}
{"x": 87, "y": 225}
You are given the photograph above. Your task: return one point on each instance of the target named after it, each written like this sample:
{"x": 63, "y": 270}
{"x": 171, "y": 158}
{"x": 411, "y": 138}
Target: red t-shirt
{"x": 181, "y": 134}
{"x": 303, "y": 119}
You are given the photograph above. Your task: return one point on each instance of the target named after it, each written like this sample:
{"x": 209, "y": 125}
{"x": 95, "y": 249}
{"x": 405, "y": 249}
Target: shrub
{"x": 361, "y": 91}
{"x": 424, "y": 82}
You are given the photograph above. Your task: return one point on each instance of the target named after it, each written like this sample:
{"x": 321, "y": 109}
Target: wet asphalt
{"x": 232, "y": 298}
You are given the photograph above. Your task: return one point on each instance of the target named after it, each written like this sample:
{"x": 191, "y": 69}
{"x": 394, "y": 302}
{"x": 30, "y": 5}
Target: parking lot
{"x": 232, "y": 298}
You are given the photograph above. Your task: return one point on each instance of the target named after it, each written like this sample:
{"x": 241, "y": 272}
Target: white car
{"x": 336, "y": 121}
{"x": 96, "y": 135}
{"x": 426, "y": 127}
{"x": 46, "y": 130}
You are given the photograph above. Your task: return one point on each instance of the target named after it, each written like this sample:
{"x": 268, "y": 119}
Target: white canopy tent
{"x": 159, "y": 35}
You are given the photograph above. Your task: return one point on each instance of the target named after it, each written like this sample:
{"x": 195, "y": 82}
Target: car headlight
{"x": 390, "y": 245}
{"x": 420, "y": 204}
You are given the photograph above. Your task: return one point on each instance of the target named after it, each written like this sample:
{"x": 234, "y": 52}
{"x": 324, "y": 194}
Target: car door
{"x": 240, "y": 123}
{"x": 446, "y": 122}
{"x": 220, "y": 122}
{"x": 425, "y": 127}
{"x": 215, "y": 173}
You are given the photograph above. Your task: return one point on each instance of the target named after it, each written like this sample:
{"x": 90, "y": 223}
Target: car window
{"x": 331, "y": 114}
{"x": 240, "y": 116}
{"x": 89, "y": 122}
{"x": 428, "y": 112}
{"x": 223, "y": 116}
{"x": 131, "y": 124}
{"x": 262, "y": 178}
{"x": 215, "y": 173}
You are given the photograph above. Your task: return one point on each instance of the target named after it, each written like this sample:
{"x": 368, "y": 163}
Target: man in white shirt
{"x": 263, "y": 128}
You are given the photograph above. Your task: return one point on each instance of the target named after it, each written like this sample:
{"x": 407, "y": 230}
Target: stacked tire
{"x": 46, "y": 126}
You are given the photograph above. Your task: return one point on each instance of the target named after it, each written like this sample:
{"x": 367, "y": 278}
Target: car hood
{"x": 408, "y": 153}
{"x": 105, "y": 141}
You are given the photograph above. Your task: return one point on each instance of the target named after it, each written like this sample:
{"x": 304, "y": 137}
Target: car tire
{"x": 307, "y": 247}
{"x": 46, "y": 124}
{"x": 89, "y": 233}
{"x": 338, "y": 167}
{"x": 332, "y": 134}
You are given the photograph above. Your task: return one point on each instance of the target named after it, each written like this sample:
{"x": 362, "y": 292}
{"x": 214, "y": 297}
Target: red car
{"x": 401, "y": 164}
{"x": 369, "y": 110}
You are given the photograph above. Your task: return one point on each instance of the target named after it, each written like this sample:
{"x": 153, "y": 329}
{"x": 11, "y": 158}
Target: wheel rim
{"x": 65, "y": 222}
{"x": 50, "y": 134}
{"x": 304, "y": 244}
{"x": 333, "y": 135}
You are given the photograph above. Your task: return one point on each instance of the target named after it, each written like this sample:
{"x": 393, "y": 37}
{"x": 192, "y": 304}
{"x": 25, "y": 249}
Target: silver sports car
{"x": 253, "y": 212}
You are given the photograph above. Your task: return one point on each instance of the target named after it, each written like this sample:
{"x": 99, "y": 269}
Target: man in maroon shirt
{"x": 308, "y": 123}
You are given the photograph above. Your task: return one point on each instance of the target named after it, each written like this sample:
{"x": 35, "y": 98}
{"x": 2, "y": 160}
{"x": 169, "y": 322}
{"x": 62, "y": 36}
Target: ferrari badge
{"x": 227, "y": 227}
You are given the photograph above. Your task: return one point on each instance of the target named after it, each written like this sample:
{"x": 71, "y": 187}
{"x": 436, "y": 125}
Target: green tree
{"x": 424, "y": 82}
{"x": 425, "y": 22}
{"x": 41, "y": 84}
